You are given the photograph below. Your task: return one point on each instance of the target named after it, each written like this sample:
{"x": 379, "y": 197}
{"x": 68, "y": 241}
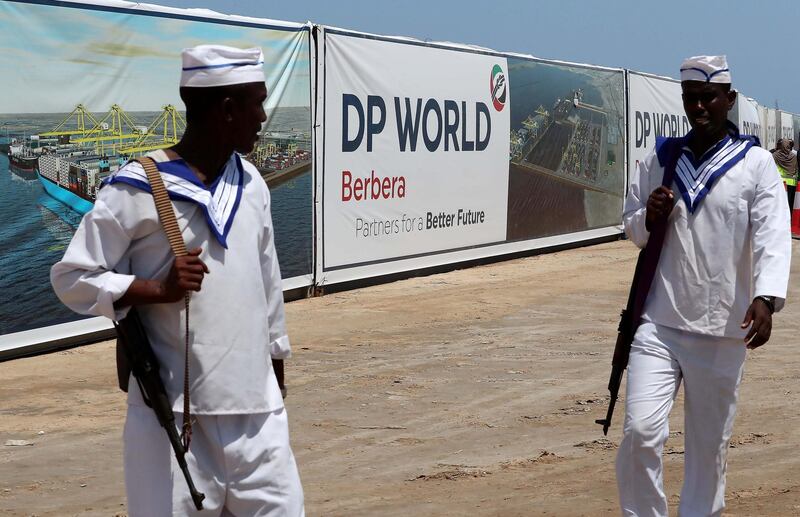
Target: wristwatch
{"x": 769, "y": 300}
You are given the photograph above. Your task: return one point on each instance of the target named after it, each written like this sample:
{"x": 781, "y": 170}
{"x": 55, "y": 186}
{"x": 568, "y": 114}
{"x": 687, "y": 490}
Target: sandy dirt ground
{"x": 467, "y": 393}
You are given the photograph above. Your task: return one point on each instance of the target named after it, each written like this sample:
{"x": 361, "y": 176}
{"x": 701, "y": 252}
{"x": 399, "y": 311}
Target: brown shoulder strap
{"x": 166, "y": 213}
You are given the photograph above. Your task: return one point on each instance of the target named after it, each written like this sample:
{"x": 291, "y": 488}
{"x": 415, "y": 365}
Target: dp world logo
{"x": 497, "y": 86}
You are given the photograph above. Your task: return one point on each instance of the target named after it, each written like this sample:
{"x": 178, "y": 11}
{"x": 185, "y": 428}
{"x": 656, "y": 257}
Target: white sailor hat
{"x": 707, "y": 69}
{"x": 207, "y": 66}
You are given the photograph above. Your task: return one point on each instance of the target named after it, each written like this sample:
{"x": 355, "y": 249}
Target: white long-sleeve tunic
{"x": 735, "y": 246}
{"x": 237, "y": 319}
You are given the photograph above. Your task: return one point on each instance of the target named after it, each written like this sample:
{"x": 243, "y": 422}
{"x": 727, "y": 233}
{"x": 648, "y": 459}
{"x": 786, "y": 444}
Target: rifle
{"x": 646, "y": 266}
{"x": 136, "y": 348}
{"x": 622, "y": 349}
{"x": 132, "y": 341}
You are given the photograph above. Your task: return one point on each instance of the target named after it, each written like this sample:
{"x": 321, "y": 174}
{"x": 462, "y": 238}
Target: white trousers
{"x": 711, "y": 369}
{"x": 242, "y": 463}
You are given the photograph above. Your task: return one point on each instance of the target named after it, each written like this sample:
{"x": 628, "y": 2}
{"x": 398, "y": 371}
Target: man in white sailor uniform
{"x": 239, "y": 454}
{"x": 723, "y": 271}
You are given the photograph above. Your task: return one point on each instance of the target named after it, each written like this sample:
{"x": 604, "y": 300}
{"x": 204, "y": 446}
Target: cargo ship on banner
{"x": 74, "y": 180}
{"x": 72, "y": 159}
{"x": 23, "y": 160}
{"x": 72, "y": 169}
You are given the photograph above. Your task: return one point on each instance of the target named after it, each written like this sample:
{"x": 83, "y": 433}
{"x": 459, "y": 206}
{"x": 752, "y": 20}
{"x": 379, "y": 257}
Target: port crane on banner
{"x": 80, "y": 115}
{"x": 116, "y": 127}
{"x": 164, "y": 131}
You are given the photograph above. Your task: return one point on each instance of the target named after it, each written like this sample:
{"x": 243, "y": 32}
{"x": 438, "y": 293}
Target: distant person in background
{"x": 786, "y": 160}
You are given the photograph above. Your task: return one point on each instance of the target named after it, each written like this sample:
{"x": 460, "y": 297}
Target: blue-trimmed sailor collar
{"x": 695, "y": 176}
{"x": 219, "y": 201}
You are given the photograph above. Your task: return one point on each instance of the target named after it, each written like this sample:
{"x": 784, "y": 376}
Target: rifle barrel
{"x": 180, "y": 455}
{"x": 614, "y": 382}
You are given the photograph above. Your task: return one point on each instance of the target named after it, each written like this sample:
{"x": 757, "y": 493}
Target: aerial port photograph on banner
{"x": 566, "y": 171}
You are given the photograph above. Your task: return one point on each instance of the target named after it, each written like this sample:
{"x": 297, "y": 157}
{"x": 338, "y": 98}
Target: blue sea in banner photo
{"x": 34, "y": 230}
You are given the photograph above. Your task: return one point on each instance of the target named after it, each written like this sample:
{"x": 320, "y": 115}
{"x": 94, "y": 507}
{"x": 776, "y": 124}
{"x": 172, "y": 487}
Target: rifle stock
{"x": 144, "y": 365}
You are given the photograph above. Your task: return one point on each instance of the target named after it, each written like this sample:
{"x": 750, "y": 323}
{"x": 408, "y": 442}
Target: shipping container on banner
{"x": 95, "y": 84}
{"x": 436, "y": 153}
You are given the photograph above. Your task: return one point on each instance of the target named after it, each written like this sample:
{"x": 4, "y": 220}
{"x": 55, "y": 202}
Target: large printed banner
{"x": 786, "y": 125}
{"x": 416, "y": 150}
{"x": 762, "y": 116}
{"x": 89, "y": 86}
{"x": 745, "y": 115}
{"x": 772, "y": 129}
{"x": 433, "y": 150}
{"x": 654, "y": 109}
